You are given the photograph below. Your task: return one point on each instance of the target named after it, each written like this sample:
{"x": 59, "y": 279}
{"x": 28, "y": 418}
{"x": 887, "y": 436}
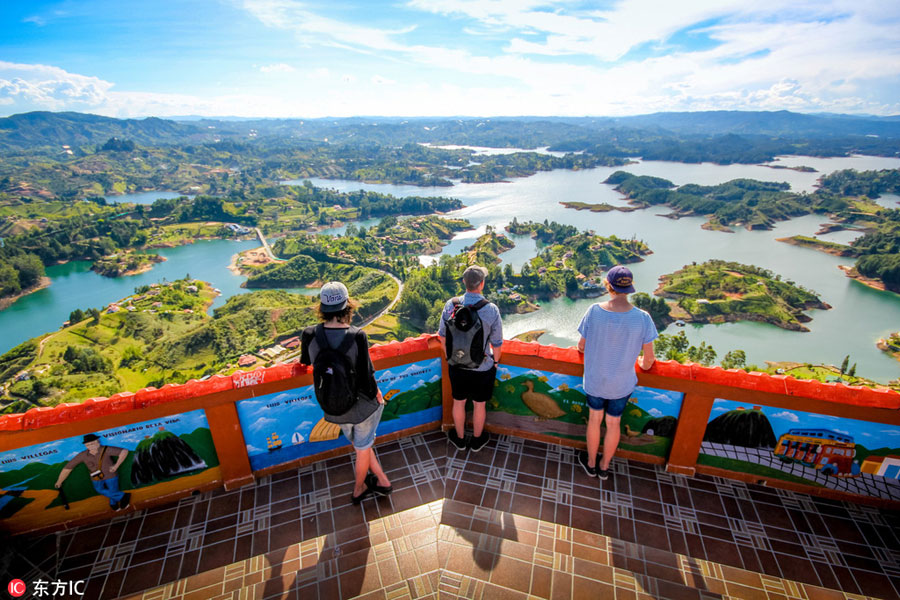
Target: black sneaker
{"x": 583, "y": 461}
{"x": 457, "y": 441}
{"x": 603, "y": 474}
{"x": 477, "y": 443}
{"x": 124, "y": 502}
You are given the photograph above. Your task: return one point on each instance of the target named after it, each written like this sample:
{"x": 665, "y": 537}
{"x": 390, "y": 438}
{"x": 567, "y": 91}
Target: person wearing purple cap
{"x": 613, "y": 335}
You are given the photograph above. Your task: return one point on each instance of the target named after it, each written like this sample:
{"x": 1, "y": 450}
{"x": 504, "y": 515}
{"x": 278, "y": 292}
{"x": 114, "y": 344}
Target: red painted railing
{"x": 218, "y": 395}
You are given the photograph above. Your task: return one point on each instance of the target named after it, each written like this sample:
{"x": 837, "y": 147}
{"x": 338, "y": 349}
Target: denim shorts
{"x": 362, "y": 434}
{"x": 613, "y": 408}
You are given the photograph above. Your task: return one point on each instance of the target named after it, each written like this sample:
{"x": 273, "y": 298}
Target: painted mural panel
{"x": 282, "y": 427}
{"x": 555, "y": 405}
{"x": 105, "y": 470}
{"x": 801, "y": 447}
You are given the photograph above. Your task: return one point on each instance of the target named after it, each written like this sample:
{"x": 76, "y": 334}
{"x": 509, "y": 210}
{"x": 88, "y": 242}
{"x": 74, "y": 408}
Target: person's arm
{"x": 581, "y": 344}
{"x": 442, "y": 329}
{"x": 62, "y": 476}
{"x": 496, "y": 337}
{"x": 305, "y": 338}
{"x": 648, "y": 357}
{"x": 122, "y": 456}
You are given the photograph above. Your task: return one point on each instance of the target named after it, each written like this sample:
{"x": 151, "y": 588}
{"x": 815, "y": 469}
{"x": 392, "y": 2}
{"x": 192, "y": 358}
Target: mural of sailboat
{"x": 273, "y": 442}
{"x": 297, "y": 438}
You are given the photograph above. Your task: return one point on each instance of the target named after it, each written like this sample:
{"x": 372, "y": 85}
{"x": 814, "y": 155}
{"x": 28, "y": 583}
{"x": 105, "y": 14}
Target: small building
{"x": 291, "y": 343}
{"x": 246, "y": 360}
{"x": 703, "y": 301}
{"x": 192, "y": 289}
{"x": 885, "y": 466}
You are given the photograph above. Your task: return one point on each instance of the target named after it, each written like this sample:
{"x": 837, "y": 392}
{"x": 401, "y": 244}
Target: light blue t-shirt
{"x": 490, "y": 323}
{"x": 613, "y": 342}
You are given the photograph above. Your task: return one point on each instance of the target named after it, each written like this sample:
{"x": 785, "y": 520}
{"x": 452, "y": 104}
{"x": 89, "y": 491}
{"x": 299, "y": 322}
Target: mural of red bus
{"x": 823, "y": 449}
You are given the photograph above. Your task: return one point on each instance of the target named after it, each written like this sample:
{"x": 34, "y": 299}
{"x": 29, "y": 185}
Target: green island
{"x": 740, "y": 202}
{"x": 877, "y": 251}
{"x": 718, "y": 292}
{"x": 890, "y": 344}
{"x": 570, "y": 262}
{"x": 125, "y": 263}
{"x": 815, "y": 243}
{"x": 597, "y": 208}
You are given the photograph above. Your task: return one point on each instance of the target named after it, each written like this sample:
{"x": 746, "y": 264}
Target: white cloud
{"x": 277, "y": 68}
{"x": 720, "y": 409}
{"x": 787, "y": 416}
{"x": 655, "y": 412}
{"x": 615, "y": 59}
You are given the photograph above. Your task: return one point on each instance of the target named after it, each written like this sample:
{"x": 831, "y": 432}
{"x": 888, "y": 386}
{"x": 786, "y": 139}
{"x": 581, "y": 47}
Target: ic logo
{"x": 16, "y": 588}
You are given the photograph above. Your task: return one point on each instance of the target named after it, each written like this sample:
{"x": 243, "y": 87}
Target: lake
{"x": 146, "y": 198}
{"x": 860, "y": 315}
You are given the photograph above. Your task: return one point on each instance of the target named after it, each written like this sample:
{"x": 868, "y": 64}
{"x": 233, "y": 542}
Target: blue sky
{"x": 287, "y": 58}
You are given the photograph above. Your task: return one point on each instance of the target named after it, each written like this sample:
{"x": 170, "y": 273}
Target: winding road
{"x": 389, "y": 306}
{"x": 266, "y": 247}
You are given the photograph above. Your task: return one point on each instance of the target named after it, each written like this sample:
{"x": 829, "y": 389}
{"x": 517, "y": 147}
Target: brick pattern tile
{"x": 517, "y": 520}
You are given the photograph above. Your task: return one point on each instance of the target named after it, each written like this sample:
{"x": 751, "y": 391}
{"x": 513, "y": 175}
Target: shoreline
{"x": 875, "y": 284}
{"x": 818, "y": 245}
{"x": 8, "y": 301}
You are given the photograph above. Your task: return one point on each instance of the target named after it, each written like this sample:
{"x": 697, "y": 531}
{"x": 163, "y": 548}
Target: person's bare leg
{"x": 459, "y": 417}
{"x": 363, "y": 458}
{"x": 593, "y": 436}
{"x": 376, "y": 469}
{"x": 479, "y": 414}
{"x": 611, "y": 441}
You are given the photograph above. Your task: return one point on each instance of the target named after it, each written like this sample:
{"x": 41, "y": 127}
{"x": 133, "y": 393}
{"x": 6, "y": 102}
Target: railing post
{"x": 230, "y": 446}
{"x": 446, "y": 391}
{"x": 692, "y": 421}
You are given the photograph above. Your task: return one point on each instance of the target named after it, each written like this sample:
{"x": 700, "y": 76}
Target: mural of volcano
{"x": 748, "y": 428}
{"x": 163, "y": 456}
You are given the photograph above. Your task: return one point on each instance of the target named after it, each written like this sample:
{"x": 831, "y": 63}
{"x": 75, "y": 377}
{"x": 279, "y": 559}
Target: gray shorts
{"x": 362, "y": 435}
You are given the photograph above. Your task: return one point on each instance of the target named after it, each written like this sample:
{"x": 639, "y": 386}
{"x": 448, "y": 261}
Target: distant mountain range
{"x": 37, "y": 129}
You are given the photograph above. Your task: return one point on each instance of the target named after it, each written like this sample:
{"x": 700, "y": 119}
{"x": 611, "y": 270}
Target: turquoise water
{"x": 144, "y": 197}
{"x": 860, "y": 315}
{"x": 74, "y": 285}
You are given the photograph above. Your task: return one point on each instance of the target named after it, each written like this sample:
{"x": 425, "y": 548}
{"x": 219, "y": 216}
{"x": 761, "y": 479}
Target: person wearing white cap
{"x": 344, "y": 379}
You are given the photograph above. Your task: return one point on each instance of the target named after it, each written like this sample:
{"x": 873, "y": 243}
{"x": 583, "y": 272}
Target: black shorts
{"x": 477, "y": 386}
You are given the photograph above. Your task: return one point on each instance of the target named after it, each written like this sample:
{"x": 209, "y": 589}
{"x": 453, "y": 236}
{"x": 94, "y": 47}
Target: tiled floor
{"x": 516, "y": 520}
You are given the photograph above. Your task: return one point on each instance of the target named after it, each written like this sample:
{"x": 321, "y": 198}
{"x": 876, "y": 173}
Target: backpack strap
{"x": 349, "y": 340}
{"x": 344, "y": 346}
{"x": 480, "y": 304}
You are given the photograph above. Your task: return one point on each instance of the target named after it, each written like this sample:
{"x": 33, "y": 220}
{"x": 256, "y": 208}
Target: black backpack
{"x": 334, "y": 374}
{"x": 465, "y": 335}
